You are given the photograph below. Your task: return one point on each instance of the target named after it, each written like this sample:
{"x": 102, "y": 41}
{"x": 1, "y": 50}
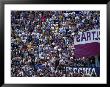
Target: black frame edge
{"x": 108, "y": 40}
{"x": 1, "y": 44}
{"x": 54, "y": 1}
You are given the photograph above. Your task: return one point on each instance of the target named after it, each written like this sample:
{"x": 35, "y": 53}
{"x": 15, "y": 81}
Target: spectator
{"x": 42, "y": 42}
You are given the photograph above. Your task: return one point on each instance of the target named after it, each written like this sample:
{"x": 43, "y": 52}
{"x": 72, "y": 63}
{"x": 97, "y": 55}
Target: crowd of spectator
{"x": 42, "y": 42}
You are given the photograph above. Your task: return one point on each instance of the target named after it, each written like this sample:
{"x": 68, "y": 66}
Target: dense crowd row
{"x": 42, "y": 42}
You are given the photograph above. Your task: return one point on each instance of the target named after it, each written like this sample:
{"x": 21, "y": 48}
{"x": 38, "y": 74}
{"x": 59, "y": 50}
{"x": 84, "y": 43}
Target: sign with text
{"x": 85, "y": 70}
{"x": 87, "y": 43}
{"x": 87, "y": 37}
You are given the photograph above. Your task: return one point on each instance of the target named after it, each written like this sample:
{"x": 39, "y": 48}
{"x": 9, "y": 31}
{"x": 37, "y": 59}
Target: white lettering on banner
{"x": 89, "y": 71}
{"x": 87, "y": 37}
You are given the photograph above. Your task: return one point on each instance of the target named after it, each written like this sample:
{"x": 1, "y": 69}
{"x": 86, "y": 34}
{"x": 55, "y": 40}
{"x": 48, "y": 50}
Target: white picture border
{"x": 55, "y": 80}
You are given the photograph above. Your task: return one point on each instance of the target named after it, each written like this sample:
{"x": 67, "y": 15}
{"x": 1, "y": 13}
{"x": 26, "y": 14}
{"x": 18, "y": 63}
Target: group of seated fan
{"x": 42, "y": 42}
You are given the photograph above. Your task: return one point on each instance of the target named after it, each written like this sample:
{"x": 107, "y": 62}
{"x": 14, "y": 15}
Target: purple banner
{"x": 86, "y": 50}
